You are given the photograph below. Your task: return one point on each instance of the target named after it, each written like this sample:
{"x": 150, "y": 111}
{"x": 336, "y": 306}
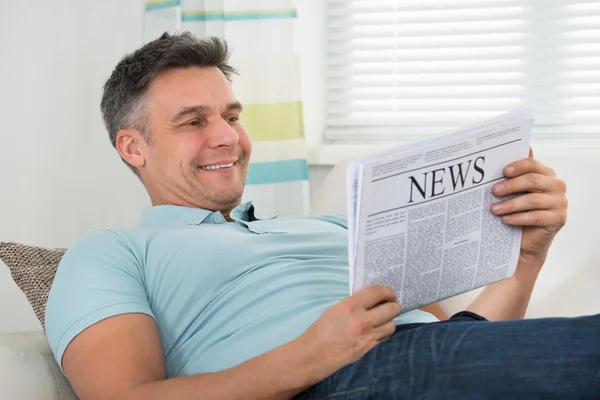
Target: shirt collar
{"x": 169, "y": 216}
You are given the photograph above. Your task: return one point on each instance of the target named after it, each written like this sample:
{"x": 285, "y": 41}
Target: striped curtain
{"x": 261, "y": 36}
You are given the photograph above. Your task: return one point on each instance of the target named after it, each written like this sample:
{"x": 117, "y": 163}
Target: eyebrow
{"x": 199, "y": 109}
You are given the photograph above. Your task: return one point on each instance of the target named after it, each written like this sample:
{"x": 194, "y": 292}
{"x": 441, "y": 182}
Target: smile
{"x": 217, "y": 166}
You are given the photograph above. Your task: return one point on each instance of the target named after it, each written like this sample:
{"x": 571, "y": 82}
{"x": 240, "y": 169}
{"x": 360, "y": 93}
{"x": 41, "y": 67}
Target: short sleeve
{"x": 99, "y": 277}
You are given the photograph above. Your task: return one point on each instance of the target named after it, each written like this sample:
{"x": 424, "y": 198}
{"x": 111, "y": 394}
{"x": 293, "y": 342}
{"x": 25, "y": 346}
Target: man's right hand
{"x": 348, "y": 330}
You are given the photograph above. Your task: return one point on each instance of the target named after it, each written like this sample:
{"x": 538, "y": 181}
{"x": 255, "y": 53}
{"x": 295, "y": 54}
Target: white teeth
{"x": 218, "y": 166}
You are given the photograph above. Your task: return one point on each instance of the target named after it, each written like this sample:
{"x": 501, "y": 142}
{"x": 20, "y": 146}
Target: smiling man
{"x": 179, "y": 166}
{"x": 202, "y": 300}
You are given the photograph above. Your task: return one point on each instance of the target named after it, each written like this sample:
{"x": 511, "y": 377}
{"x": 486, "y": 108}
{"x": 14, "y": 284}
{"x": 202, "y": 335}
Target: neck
{"x": 225, "y": 209}
{"x": 226, "y": 215}
{"x": 158, "y": 198}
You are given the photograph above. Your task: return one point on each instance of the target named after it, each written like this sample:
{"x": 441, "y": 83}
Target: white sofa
{"x": 568, "y": 285}
{"x": 28, "y": 370}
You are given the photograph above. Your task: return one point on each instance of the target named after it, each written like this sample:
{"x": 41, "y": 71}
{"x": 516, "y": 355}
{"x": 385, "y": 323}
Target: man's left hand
{"x": 541, "y": 209}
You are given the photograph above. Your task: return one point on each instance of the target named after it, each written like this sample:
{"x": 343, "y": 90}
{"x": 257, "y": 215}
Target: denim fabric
{"x": 468, "y": 357}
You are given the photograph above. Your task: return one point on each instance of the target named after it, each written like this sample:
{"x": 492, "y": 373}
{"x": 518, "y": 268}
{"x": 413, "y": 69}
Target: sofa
{"x": 568, "y": 285}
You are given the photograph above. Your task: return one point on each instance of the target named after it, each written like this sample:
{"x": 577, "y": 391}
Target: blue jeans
{"x": 468, "y": 357}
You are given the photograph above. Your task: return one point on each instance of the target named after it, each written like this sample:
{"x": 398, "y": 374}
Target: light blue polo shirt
{"x": 220, "y": 292}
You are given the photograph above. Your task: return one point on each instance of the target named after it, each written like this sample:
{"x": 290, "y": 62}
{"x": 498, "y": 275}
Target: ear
{"x": 131, "y": 145}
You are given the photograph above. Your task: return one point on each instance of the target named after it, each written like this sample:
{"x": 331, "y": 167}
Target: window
{"x": 399, "y": 69}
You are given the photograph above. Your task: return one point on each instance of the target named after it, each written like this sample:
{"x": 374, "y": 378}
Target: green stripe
{"x": 190, "y": 16}
{"x": 159, "y": 5}
{"x": 277, "y": 172}
{"x": 277, "y": 121}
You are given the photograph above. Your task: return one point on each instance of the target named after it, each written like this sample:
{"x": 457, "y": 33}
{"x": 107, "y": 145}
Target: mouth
{"x": 214, "y": 167}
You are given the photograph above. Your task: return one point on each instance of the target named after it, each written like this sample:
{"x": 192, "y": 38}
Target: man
{"x": 205, "y": 301}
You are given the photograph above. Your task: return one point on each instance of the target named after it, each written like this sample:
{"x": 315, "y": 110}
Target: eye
{"x": 194, "y": 122}
{"x": 234, "y": 119}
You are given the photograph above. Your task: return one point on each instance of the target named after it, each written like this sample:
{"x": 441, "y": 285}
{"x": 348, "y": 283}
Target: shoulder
{"x": 97, "y": 258}
{"x": 108, "y": 246}
{"x": 97, "y": 239}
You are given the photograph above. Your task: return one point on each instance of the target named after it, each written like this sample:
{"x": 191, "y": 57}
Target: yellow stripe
{"x": 151, "y": 2}
{"x": 279, "y": 150}
{"x": 275, "y": 121}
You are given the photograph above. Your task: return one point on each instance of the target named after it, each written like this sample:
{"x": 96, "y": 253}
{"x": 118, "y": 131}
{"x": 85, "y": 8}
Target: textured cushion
{"x": 33, "y": 269}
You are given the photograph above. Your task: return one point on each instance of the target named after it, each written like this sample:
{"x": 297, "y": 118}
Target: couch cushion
{"x": 28, "y": 369}
{"x": 33, "y": 269}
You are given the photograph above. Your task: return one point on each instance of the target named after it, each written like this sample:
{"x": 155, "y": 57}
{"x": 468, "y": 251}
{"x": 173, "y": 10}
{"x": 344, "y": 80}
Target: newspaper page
{"x": 419, "y": 216}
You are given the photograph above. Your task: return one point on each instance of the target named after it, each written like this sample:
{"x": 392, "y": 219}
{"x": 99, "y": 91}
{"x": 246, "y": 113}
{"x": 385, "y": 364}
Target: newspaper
{"x": 419, "y": 215}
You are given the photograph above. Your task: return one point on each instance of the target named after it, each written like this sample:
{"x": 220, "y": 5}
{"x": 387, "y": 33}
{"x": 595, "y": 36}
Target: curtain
{"x": 261, "y": 36}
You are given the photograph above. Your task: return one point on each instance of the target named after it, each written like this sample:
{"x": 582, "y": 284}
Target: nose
{"x": 223, "y": 134}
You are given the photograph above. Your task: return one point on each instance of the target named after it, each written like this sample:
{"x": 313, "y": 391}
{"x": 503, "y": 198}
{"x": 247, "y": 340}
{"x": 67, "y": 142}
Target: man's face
{"x": 198, "y": 152}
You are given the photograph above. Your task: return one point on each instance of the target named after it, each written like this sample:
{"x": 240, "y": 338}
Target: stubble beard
{"x": 229, "y": 193}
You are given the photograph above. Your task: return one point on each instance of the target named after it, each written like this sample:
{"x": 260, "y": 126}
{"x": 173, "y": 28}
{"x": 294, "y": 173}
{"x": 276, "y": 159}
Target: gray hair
{"x": 124, "y": 100}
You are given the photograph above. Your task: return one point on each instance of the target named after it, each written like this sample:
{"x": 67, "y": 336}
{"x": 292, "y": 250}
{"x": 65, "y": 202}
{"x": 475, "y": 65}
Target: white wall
{"x": 59, "y": 175}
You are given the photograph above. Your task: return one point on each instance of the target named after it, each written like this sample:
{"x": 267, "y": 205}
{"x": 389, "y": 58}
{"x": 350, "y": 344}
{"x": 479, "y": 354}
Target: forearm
{"x": 278, "y": 374}
{"x": 508, "y": 299}
{"x": 436, "y": 311}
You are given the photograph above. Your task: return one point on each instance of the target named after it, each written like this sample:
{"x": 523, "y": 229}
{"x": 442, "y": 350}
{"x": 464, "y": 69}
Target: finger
{"x": 384, "y": 331}
{"x": 527, "y": 202}
{"x": 530, "y": 152}
{"x": 543, "y": 218}
{"x": 525, "y": 166}
{"x": 370, "y": 296}
{"x": 531, "y": 182}
{"x": 383, "y": 313}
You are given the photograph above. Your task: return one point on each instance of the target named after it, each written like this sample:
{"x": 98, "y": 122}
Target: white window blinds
{"x": 398, "y": 68}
